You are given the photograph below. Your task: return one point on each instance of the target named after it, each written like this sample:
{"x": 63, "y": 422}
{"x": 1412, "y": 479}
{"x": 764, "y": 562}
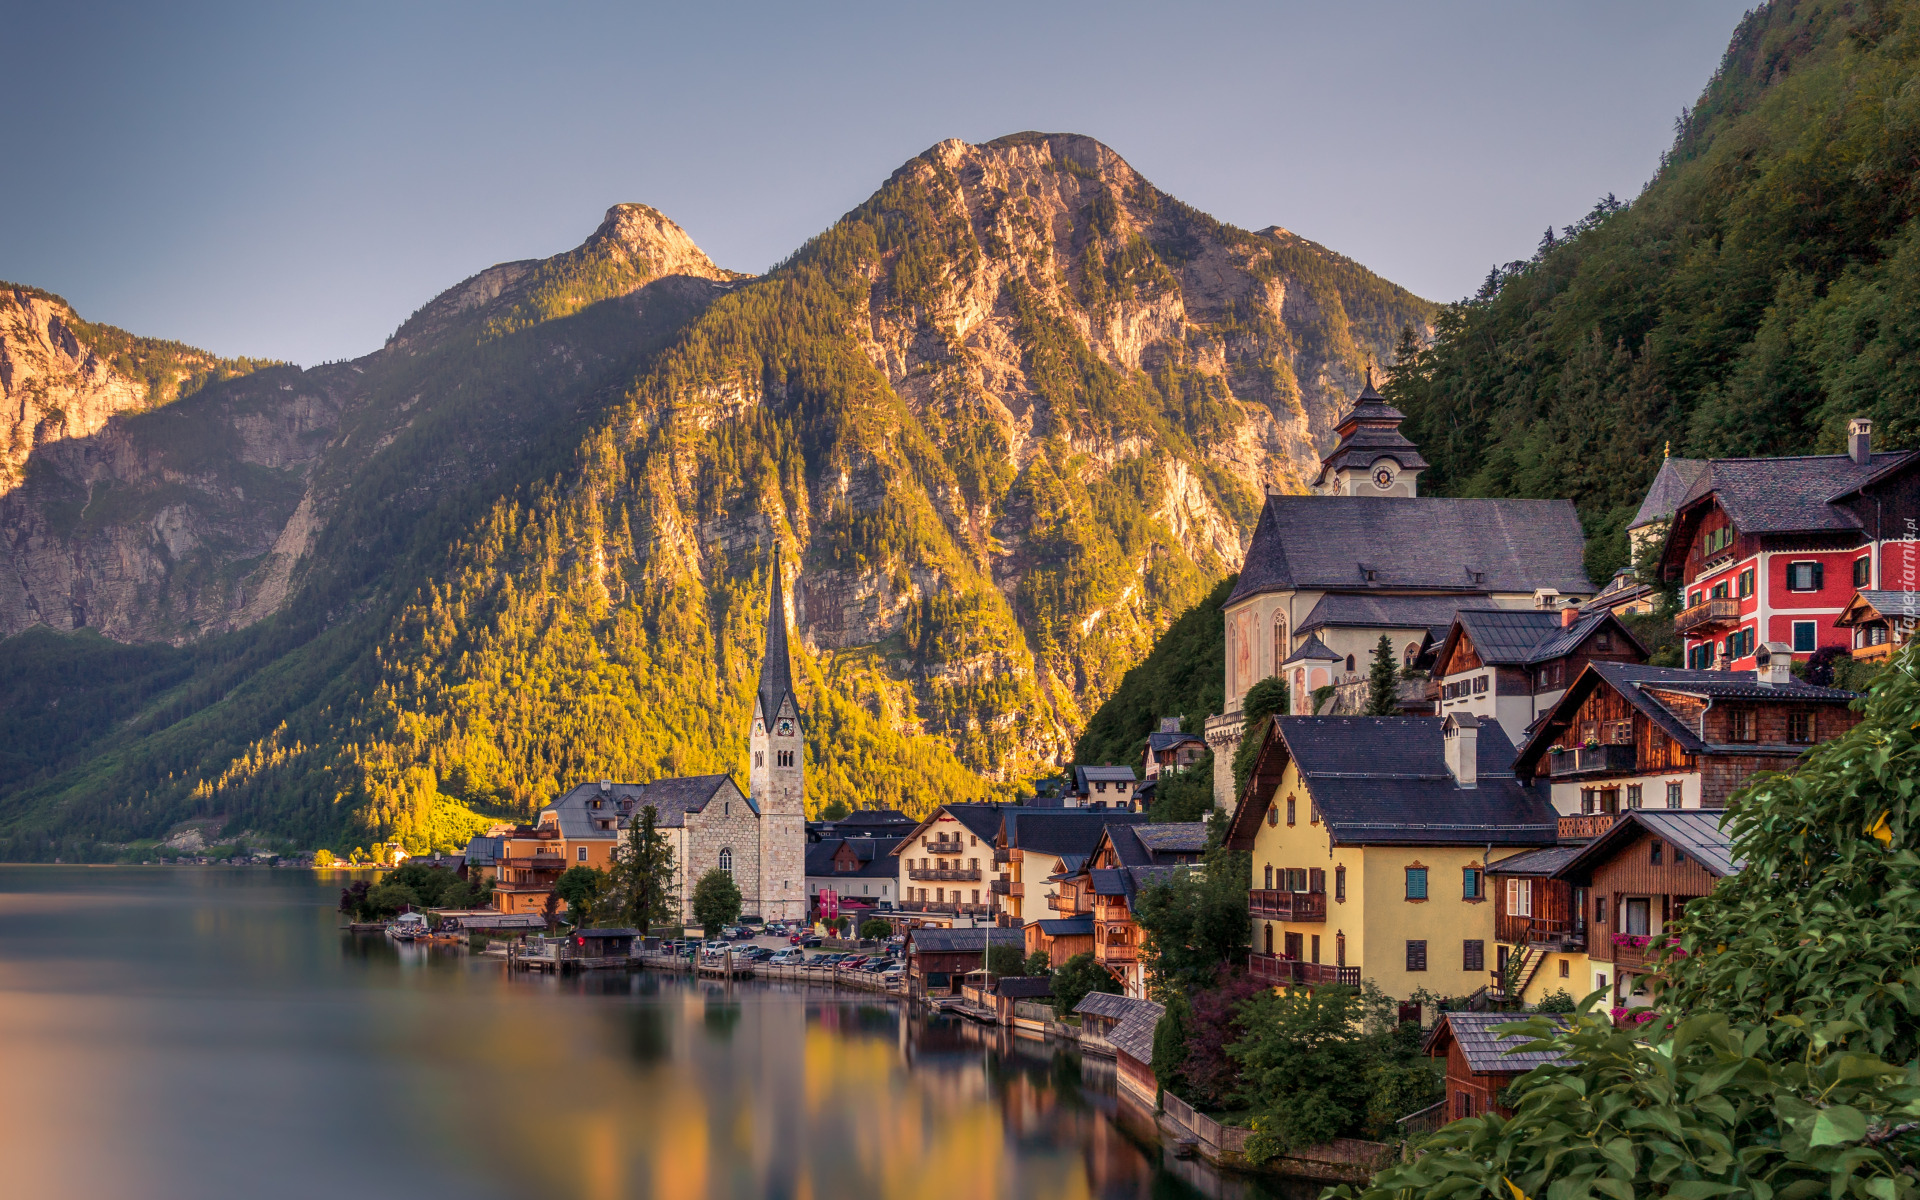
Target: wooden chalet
{"x": 1879, "y": 622}
{"x": 1481, "y": 1063}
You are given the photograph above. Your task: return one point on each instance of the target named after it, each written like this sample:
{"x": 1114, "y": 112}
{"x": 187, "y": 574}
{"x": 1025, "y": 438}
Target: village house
{"x": 1099, "y": 788}
{"x": 851, "y": 875}
{"x": 1096, "y": 896}
{"x": 1634, "y": 880}
{"x": 939, "y": 959}
{"x": 1369, "y": 838}
{"x": 1034, "y": 845}
{"x": 1772, "y": 550}
{"x": 1628, "y": 736}
{"x": 1481, "y": 1064}
{"x": 940, "y": 873}
{"x": 1511, "y": 665}
{"x": 1880, "y": 622}
{"x": 1539, "y": 926}
{"x": 1168, "y": 749}
{"x": 1371, "y": 537}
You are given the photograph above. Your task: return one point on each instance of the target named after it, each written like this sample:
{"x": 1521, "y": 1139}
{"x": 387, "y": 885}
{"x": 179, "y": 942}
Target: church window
{"x": 1279, "y": 641}
{"x": 759, "y": 758}
{"x": 1349, "y": 664}
{"x": 726, "y": 860}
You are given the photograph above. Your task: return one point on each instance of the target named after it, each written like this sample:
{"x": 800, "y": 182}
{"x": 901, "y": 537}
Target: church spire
{"x": 776, "y": 672}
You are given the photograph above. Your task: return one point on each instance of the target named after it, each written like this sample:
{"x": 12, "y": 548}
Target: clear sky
{"x": 293, "y": 181}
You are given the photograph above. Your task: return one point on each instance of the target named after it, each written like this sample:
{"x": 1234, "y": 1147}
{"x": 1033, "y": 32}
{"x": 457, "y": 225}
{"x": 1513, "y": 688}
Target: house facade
{"x": 1408, "y": 557}
{"x": 1034, "y": 847}
{"x": 1369, "y": 838}
{"x": 1772, "y": 550}
{"x": 1627, "y": 736}
{"x": 1168, "y": 749}
{"x": 944, "y": 867}
{"x": 851, "y": 875}
{"x": 1512, "y": 665}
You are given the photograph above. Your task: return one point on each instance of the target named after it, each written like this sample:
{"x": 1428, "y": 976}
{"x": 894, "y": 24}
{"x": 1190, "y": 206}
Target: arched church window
{"x": 1349, "y": 664}
{"x": 1413, "y": 652}
{"x": 726, "y": 860}
{"x": 1279, "y": 642}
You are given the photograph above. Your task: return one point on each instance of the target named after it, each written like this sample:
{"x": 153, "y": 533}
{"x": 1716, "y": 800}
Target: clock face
{"x": 786, "y": 729}
{"x": 1383, "y": 477}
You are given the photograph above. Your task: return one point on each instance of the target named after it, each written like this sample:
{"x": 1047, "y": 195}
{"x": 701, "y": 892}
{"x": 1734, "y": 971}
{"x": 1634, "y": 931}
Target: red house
{"x": 1774, "y": 549}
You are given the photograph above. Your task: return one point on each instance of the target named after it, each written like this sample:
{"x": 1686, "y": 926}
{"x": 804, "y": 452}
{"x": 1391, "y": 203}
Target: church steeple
{"x": 1373, "y": 458}
{"x": 776, "y": 670}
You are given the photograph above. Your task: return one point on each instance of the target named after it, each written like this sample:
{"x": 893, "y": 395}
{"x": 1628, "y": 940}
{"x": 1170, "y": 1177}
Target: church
{"x": 758, "y": 837}
{"x": 1327, "y": 574}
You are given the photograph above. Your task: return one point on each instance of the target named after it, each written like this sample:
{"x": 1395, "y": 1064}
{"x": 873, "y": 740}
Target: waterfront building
{"x": 940, "y": 877}
{"x": 1369, "y": 838}
{"x": 939, "y": 959}
{"x": 1034, "y": 845}
{"x": 1481, "y": 1063}
{"x": 859, "y": 873}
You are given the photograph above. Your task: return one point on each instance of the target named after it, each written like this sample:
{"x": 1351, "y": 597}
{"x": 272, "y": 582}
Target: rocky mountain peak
{"x": 637, "y": 233}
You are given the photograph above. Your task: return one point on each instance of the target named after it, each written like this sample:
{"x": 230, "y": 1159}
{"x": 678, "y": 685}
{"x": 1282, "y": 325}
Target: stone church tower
{"x": 777, "y": 781}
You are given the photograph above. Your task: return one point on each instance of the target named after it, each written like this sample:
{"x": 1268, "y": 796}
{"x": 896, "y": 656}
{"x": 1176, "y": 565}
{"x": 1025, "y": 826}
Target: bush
{"x": 716, "y": 901}
{"x": 874, "y": 929}
{"x": 1038, "y": 963}
{"x": 1557, "y": 1001}
{"x": 1076, "y": 977}
{"x": 1006, "y": 960}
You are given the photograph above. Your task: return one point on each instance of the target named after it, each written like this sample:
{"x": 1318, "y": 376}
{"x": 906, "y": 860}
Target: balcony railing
{"x": 1591, "y": 760}
{"x": 1001, "y": 854}
{"x": 1059, "y": 903}
{"x": 538, "y": 862}
{"x": 1627, "y": 952}
{"x": 1287, "y": 906}
{"x": 1523, "y": 931}
{"x": 1708, "y": 614}
{"x": 1584, "y": 826}
{"x": 949, "y": 874}
{"x": 999, "y": 887}
{"x": 1874, "y": 653}
{"x": 1116, "y": 953}
{"x": 1271, "y": 968}
{"x": 944, "y": 906}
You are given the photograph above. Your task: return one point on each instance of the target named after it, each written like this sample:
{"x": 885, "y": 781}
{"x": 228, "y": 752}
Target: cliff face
{"x": 1007, "y": 418}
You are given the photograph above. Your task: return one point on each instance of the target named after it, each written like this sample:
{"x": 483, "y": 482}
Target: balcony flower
{"x": 1631, "y": 941}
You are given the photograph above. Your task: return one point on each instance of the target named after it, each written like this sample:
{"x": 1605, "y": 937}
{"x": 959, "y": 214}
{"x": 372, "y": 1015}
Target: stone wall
{"x": 727, "y": 822}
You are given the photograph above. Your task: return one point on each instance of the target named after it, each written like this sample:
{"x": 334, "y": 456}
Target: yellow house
{"x": 1369, "y": 838}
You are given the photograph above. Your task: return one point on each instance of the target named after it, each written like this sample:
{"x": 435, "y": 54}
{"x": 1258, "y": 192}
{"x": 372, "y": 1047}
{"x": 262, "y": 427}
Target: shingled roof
{"x": 1669, "y": 490}
{"x": 981, "y": 820}
{"x": 1518, "y": 637}
{"x": 1062, "y": 831}
{"x": 963, "y": 941}
{"x": 1469, "y": 546}
{"x": 1343, "y": 610}
{"x": 776, "y": 671}
{"x": 1793, "y": 494}
{"x": 1369, "y": 431}
{"x": 1485, "y": 1050}
{"x": 672, "y": 800}
{"x": 1699, "y": 832}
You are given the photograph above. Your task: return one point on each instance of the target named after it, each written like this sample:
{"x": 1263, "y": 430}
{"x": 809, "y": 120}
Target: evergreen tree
{"x": 716, "y": 902}
{"x": 1383, "y": 682}
{"x": 643, "y": 874}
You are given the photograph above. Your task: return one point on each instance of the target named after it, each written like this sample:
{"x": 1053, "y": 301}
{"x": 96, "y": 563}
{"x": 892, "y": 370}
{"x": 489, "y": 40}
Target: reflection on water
{"x": 210, "y": 1033}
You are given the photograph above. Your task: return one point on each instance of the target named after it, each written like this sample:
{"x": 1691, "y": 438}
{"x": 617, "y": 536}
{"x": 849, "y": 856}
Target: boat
{"x": 407, "y": 927}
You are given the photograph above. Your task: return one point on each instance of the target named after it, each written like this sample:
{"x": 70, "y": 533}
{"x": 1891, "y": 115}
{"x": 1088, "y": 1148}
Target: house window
{"x": 1638, "y": 911}
{"x": 1417, "y": 884}
{"x": 1273, "y": 815}
{"x": 1289, "y": 810}
{"x": 1340, "y": 948}
{"x": 1694, "y": 599}
{"x": 1633, "y": 795}
{"x": 1800, "y": 727}
{"x": 1269, "y": 937}
{"x": 1479, "y": 685}
{"x": 1340, "y": 885}
{"x": 976, "y": 895}
{"x": 1349, "y": 664}
{"x": 1520, "y": 897}
{"x": 1587, "y": 800}
{"x": 1316, "y": 949}
{"x": 1410, "y": 655}
{"x": 726, "y": 860}
{"x": 1317, "y": 881}
{"x": 1600, "y": 910}
{"x": 1862, "y": 571}
{"x": 1269, "y": 877}
{"x": 1653, "y": 855}
{"x": 1470, "y": 883}
{"x": 759, "y": 758}
{"x": 1720, "y": 590}
{"x": 1806, "y": 637}
{"x": 1313, "y": 812}
{"x": 1563, "y": 968}
{"x": 1674, "y": 791}
{"x": 1279, "y": 641}
{"x": 1805, "y": 576}
{"x": 1741, "y": 725}
{"x": 1604, "y": 641}
{"x": 1417, "y": 956}
{"x": 1746, "y": 583}
{"x": 1473, "y": 956}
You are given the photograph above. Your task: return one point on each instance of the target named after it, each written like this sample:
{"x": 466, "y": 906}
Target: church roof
{"x": 672, "y": 800}
{"x": 776, "y": 670}
{"x": 1369, "y": 431}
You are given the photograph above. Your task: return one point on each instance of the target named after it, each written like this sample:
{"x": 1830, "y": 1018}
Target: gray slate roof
{"x": 1080, "y": 926}
{"x": 963, "y": 941}
{"x": 672, "y": 800}
{"x": 1890, "y": 603}
{"x": 1023, "y": 987}
{"x": 1414, "y": 542}
{"x": 1793, "y": 494}
{"x": 1133, "y": 1036}
{"x": 1524, "y": 636}
{"x": 1668, "y": 490}
{"x": 1384, "y": 612}
{"x": 874, "y": 854}
{"x": 1312, "y": 650}
{"x": 1106, "y": 1004}
{"x": 1385, "y": 780}
{"x": 1173, "y": 837}
{"x": 1697, "y": 831}
{"x": 1485, "y": 1050}
{"x": 1544, "y": 861}
{"x": 1063, "y": 832}
{"x": 1167, "y": 741}
{"x": 484, "y": 851}
{"x": 776, "y": 672}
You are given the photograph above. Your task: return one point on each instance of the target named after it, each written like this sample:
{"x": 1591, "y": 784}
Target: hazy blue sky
{"x": 263, "y": 180}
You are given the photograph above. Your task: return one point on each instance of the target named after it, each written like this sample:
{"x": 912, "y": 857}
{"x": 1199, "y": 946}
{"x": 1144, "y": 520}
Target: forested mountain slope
{"x": 1006, "y": 419}
{"x": 1764, "y": 288}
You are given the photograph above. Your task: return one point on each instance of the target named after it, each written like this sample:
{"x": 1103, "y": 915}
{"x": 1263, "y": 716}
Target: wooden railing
{"x": 1585, "y": 825}
{"x": 1287, "y": 906}
{"x": 1708, "y": 614}
{"x": 1587, "y": 760}
{"x": 1271, "y": 968}
{"x": 944, "y": 906}
{"x": 1521, "y": 931}
{"x": 947, "y": 874}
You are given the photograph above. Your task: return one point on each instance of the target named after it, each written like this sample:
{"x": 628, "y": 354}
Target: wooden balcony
{"x": 1553, "y": 933}
{"x": 1585, "y": 826}
{"x": 538, "y": 862}
{"x": 1062, "y": 904}
{"x": 1287, "y": 906}
{"x": 1274, "y": 969}
{"x": 1874, "y": 653}
{"x": 947, "y": 907}
{"x": 1116, "y": 954}
{"x": 947, "y": 874}
{"x": 1720, "y": 613}
{"x": 1591, "y": 760}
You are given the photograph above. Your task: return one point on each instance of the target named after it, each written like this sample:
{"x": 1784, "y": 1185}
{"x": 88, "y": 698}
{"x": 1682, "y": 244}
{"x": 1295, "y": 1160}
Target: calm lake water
{"x": 210, "y": 1033}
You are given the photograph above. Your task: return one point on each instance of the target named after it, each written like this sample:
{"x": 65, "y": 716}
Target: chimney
{"x": 1568, "y": 616}
{"x": 606, "y": 785}
{"x": 1775, "y": 663}
{"x": 1860, "y": 440}
{"x": 1460, "y": 737}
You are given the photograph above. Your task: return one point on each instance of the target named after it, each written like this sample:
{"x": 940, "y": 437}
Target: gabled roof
{"x": 1544, "y": 861}
{"x": 1670, "y": 487}
{"x": 1173, "y": 837}
{"x": 1643, "y": 686}
{"x": 1384, "y": 780}
{"x": 672, "y": 800}
{"x": 1469, "y": 546}
{"x": 1794, "y": 494}
{"x": 776, "y": 670}
{"x": 873, "y": 853}
{"x": 1079, "y": 926}
{"x": 1167, "y": 741}
{"x": 1345, "y": 610}
{"x": 1524, "y": 636}
{"x": 1082, "y": 776}
{"x": 1106, "y": 1004}
{"x": 1023, "y": 987}
{"x": 1876, "y": 604}
{"x": 1312, "y": 650}
{"x": 1485, "y": 1050}
{"x": 962, "y": 941}
{"x": 1133, "y": 1036}
{"x": 981, "y": 820}
{"x": 1061, "y": 831}
{"x": 1697, "y": 831}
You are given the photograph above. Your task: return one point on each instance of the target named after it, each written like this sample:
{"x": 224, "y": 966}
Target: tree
{"x": 716, "y": 901}
{"x": 873, "y": 929}
{"x": 385, "y": 899}
{"x": 1076, "y": 977}
{"x": 1005, "y": 960}
{"x": 580, "y": 887}
{"x": 1194, "y": 922}
{"x": 1184, "y": 794}
{"x": 1261, "y": 702}
{"x": 1383, "y": 681}
{"x": 642, "y": 875}
{"x": 836, "y": 810}
{"x": 1207, "y": 1076}
{"x": 323, "y": 858}
{"x": 550, "y": 911}
{"x": 1039, "y": 963}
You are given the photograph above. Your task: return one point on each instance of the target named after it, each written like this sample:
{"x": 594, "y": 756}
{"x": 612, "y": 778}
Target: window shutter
{"x": 1474, "y": 956}
{"x": 1819, "y": 573}
{"x": 1416, "y": 956}
{"x": 1316, "y": 880}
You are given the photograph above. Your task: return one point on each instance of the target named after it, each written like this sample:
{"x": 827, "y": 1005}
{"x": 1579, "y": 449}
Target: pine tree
{"x": 643, "y": 874}
{"x": 1383, "y": 682}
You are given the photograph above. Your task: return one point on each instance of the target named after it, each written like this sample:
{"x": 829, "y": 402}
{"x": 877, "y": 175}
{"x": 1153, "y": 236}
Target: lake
{"x": 211, "y": 1033}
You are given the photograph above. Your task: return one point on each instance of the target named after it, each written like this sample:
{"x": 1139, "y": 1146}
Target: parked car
{"x": 853, "y": 961}
{"x": 812, "y": 941}
{"x": 787, "y": 958}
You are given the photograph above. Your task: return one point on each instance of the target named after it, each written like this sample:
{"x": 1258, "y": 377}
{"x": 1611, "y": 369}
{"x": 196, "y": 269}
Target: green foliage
{"x": 1185, "y": 794}
{"x": 874, "y": 929}
{"x": 643, "y": 874}
{"x": 1557, "y": 1001}
{"x": 1383, "y": 681}
{"x": 1170, "y": 1035}
{"x": 1183, "y": 675}
{"x": 385, "y": 899}
{"x": 716, "y": 901}
{"x": 1193, "y": 922}
{"x": 1760, "y": 291}
{"x": 1326, "y": 1062}
{"x": 581, "y": 887}
{"x": 1006, "y": 960}
{"x": 1075, "y": 978}
{"x": 1038, "y": 964}
{"x": 1258, "y": 707}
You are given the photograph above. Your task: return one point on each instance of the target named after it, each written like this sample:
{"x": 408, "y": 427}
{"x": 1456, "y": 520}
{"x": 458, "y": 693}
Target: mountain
{"x": 1756, "y": 295}
{"x": 1009, "y": 417}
